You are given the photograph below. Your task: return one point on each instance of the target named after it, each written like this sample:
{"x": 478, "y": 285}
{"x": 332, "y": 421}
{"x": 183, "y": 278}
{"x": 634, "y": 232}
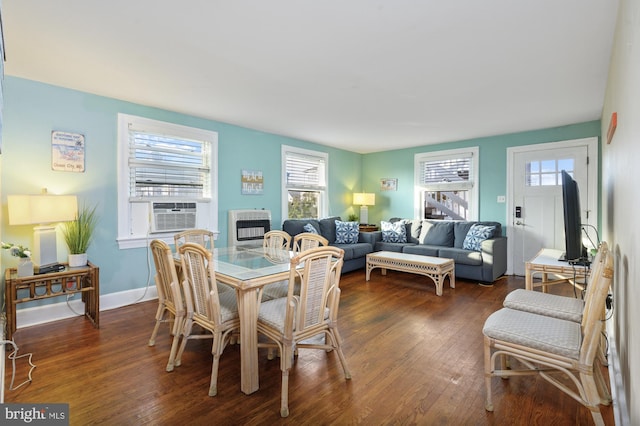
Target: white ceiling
{"x": 362, "y": 75}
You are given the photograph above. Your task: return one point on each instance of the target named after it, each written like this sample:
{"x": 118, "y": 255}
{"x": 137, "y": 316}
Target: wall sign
{"x": 252, "y": 182}
{"x": 67, "y": 151}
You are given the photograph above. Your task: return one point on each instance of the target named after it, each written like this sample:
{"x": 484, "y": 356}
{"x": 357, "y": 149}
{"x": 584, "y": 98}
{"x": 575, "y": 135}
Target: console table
{"x": 84, "y": 280}
{"x": 546, "y": 262}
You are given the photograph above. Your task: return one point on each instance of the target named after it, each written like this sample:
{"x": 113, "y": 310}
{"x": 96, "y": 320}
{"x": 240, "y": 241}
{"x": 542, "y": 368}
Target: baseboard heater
{"x": 247, "y": 227}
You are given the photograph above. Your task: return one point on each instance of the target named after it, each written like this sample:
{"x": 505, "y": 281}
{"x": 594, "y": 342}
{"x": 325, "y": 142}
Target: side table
{"x": 84, "y": 280}
{"x": 546, "y": 262}
{"x": 367, "y": 228}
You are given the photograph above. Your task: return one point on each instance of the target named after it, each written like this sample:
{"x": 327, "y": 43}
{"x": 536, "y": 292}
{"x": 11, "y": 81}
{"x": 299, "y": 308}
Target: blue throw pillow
{"x": 347, "y": 232}
{"x": 476, "y": 235}
{"x": 395, "y": 232}
{"x": 310, "y": 229}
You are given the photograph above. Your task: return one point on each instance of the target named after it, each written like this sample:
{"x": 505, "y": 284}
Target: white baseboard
{"x": 57, "y": 311}
{"x": 620, "y": 403}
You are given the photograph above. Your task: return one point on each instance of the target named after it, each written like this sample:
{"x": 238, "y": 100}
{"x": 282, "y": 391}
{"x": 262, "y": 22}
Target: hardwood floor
{"x": 415, "y": 358}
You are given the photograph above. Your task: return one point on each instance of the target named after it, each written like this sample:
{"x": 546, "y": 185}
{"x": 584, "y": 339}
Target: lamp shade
{"x": 364, "y": 198}
{"x": 41, "y": 209}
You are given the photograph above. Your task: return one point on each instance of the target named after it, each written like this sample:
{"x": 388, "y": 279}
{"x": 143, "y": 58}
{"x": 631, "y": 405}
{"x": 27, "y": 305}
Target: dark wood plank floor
{"x": 415, "y": 359}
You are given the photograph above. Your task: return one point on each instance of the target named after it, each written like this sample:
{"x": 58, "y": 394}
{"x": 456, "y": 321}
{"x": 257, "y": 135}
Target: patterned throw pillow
{"x": 395, "y": 232}
{"x": 310, "y": 229}
{"x": 476, "y": 235}
{"x": 346, "y": 232}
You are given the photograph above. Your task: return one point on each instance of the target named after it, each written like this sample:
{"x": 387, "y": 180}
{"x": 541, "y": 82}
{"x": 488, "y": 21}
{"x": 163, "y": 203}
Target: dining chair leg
{"x": 159, "y": 317}
{"x": 592, "y": 397}
{"x": 176, "y": 332}
{"x": 184, "y": 336}
{"x": 284, "y": 402}
{"x": 603, "y": 389}
{"x": 488, "y": 368}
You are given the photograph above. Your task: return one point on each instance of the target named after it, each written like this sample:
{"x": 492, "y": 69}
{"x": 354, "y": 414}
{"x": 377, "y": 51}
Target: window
{"x": 446, "y": 184}
{"x": 304, "y": 190}
{"x": 163, "y": 162}
{"x": 547, "y": 172}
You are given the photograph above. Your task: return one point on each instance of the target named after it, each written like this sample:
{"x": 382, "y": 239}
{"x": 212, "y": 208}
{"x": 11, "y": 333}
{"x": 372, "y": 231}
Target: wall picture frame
{"x": 252, "y": 182}
{"x": 388, "y": 184}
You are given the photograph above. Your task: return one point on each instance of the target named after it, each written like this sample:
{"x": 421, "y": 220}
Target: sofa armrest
{"x": 370, "y": 237}
{"x": 494, "y": 258}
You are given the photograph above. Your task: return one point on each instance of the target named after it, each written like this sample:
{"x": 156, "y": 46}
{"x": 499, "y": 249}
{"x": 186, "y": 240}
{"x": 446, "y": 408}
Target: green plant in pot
{"x": 78, "y": 235}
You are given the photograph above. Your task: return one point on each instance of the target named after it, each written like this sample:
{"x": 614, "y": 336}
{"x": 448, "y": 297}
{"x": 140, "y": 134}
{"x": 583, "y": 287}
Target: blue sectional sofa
{"x": 440, "y": 238}
{"x": 445, "y": 238}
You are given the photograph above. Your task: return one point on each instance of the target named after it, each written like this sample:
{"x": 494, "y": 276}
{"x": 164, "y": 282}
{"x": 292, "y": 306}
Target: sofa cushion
{"x": 294, "y": 227}
{"x": 393, "y": 232}
{"x": 412, "y": 228}
{"x": 327, "y": 228}
{"x": 346, "y": 232}
{"x": 436, "y": 233}
{"x": 476, "y": 235}
{"x": 310, "y": 229}
{"x": 461, "y": 256}
{"x": 422, "y": 249}
{"x": 397, "y": 247}
{"x": 354, "y": 251}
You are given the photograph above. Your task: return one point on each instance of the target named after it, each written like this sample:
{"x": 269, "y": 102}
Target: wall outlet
{"x": 502, "y": 199}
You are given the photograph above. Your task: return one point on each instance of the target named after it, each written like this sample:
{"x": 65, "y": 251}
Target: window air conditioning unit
{"x": 173, "y": 216}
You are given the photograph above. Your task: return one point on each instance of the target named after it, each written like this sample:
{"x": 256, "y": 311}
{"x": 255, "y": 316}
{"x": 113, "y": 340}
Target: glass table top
{"x": 248, "y": 263}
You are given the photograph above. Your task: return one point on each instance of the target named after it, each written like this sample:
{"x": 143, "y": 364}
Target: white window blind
{"x": 164, "y": 166}
{"x": 446, "y": 172}
{"x": 305, "y": 172}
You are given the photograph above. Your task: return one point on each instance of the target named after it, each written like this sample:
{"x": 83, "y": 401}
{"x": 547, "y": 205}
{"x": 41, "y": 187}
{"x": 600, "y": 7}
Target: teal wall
{"x": 32, "y": 110}
{"x": 492, "y": 176}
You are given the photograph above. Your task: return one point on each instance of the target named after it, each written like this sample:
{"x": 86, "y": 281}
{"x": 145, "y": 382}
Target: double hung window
{"x": 304, "y": 183}
{"x": 161, "y": 162}
{"x": 446, "y": 184}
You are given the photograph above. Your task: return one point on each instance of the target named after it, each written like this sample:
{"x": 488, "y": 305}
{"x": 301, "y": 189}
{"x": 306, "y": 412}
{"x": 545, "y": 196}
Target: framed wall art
{"x": 388, "y": 184}
{"x": 252, "y": 182}
{"x": 67, "y": 152}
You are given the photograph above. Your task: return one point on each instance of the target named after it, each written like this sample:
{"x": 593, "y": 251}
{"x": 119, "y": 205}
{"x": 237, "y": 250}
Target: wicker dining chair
{"x": 553, "y": 305}
{"x": 203, "y": 237}
{"x": 277, "y": 240}
{"x": 214, "y": 312}
{"x": 562, "y": 307}
{"x": 307, "y": 240}
{"x": 549, "y": 346}
{"x": 170, "y": 303}
{"x": 292, "y": 322}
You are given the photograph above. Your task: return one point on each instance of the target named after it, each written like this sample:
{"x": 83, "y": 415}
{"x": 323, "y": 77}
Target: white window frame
{"x": 419, "y": 188}
{"x": 323, "y": 209}
{"x": 134, "y": 214}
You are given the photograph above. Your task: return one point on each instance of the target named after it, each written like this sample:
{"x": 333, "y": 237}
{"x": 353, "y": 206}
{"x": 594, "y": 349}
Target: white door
{"x": 535, "y": 203}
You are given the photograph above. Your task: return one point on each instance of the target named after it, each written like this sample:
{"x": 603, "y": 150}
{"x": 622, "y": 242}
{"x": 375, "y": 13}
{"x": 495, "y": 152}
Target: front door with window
{"x": 536, "y": 215}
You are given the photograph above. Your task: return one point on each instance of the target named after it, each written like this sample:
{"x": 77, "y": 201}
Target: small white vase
{"x": 25, "y": 267}
{"x": 76, "y": 260}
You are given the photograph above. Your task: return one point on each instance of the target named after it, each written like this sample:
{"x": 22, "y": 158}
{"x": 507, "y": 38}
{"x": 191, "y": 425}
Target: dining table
{"x": 247, "y": 270}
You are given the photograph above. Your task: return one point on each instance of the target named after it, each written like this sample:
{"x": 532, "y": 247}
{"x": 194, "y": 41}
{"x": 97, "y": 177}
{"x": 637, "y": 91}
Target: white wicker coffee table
{"x": 435, "y": 268}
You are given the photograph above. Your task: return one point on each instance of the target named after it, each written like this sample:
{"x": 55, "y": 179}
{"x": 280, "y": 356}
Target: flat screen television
{"x": 575, "y": 252}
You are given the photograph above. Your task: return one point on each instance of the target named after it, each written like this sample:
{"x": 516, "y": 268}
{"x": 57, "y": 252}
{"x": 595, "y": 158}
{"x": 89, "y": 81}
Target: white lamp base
{"x": 44, "y": 250}
{"x": 364, "y": 215}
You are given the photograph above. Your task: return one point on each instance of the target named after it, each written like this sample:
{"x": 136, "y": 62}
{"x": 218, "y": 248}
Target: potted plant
{"x": 25, "y": 267}
{"x": 78, "y": 235}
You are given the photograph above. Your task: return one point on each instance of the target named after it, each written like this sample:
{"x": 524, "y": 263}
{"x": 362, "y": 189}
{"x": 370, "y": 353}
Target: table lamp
{"x": 44, "y": 211}
{"x": 364, "y": 200}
